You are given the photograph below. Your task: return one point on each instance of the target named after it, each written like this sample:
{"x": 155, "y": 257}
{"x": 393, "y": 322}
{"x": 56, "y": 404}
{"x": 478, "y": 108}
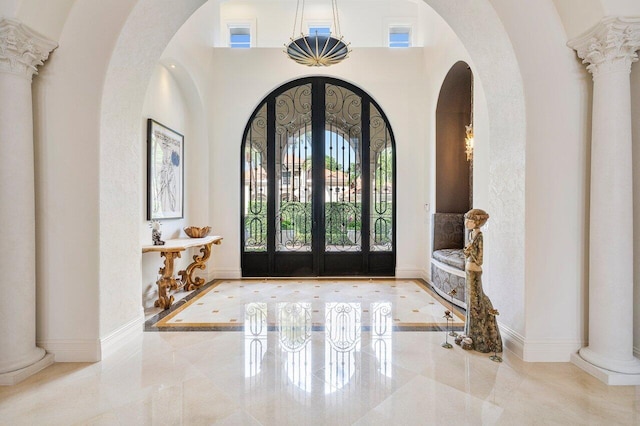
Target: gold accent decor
{"x": 172, "y": 250}
{"x": 190, "y": 282}
{"x": 166, "y": 281}
{"x": 197, "y": 232}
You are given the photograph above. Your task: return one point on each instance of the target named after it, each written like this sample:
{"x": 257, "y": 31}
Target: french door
{"x": 318, "y": 183}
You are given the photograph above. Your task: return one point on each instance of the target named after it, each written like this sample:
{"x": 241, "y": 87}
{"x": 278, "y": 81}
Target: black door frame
{"x": 318, "y": 262}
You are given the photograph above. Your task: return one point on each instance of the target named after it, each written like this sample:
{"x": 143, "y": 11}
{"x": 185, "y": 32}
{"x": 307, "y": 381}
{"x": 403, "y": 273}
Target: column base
{"x": 608, "y": 377}
{"x": 14, "y": 377}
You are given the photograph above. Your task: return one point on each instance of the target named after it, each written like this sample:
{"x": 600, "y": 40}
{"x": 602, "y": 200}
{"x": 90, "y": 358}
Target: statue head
{"x": 478, "y": 216}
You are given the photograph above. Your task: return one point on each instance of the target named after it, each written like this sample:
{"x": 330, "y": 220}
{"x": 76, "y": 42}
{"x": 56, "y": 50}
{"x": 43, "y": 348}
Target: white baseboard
{"x": 14, "y": 377}
{"x": 118, "y": 338}
{"x": 636, "y": 352}
{"x": 608, "y": 377}
{"x": 512, "y": 340}
{"x": 76, "y": 350}
{"x": 550, "y": 350}
{"x": 409, "y": 273}
{"x": 229, "y": 274}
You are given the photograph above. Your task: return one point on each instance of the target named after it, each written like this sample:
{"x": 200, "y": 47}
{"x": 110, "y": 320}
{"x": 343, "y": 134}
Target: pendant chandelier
{"x": 315, "y": 50}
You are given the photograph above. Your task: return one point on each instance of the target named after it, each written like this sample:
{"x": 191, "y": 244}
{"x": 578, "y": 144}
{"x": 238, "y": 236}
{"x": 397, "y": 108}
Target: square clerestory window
{"x": 399, "y": 36}
{"x": 239, "y": 37}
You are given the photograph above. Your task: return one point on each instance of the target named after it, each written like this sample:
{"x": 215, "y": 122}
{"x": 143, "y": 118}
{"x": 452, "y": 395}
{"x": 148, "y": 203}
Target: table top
{"x": 180, "y": 244}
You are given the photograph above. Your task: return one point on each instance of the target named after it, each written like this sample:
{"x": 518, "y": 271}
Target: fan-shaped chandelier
{"x": 316, "y": 50}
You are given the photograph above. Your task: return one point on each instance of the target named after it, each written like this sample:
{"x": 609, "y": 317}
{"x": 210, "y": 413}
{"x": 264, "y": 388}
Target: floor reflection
{"x": 343, "y": 334}
{"x": 340, "y": 348}
{"x": 381, "y": 336}
{"x": 294, "y": 335}
{"x": 255, "y": 338}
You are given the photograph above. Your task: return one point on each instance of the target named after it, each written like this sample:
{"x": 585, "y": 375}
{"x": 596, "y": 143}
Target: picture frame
{"x": 165, "y": 172}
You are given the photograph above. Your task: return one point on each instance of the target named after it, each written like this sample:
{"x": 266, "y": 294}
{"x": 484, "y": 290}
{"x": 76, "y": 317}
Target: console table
{"x": 170, "y": 250}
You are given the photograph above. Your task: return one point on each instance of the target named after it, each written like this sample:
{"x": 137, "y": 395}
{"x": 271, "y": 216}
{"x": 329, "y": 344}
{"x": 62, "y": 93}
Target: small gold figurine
{"x": 494, "y": 312}
{"x": 448, "y": 317}
{"x": 452, "y": 293}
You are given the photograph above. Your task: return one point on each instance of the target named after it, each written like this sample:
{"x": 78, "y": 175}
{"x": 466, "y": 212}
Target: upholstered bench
{"x": 447, "y": 258}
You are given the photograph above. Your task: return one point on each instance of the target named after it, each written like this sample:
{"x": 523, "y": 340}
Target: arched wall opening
{"x": 454, "y": 188}
{"x": 501, "y": 82}
{"x": 147, "y": 29}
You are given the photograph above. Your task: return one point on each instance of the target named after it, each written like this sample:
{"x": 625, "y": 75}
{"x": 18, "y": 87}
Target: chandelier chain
{"x": 295, "y": 20}
{"x": 336, "y": 17}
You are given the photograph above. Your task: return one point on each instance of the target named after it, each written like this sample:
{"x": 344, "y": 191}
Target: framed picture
{"x": 165, "y": 172}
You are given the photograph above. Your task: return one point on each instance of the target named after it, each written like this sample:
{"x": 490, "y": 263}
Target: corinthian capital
{"x": 22, "y": 50}
{"x": 609, "y": 46}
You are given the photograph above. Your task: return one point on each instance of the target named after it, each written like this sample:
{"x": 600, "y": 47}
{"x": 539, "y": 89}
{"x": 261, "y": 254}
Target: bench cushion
{"x": 448, "y": 231}
{"x": 451, "y": 257}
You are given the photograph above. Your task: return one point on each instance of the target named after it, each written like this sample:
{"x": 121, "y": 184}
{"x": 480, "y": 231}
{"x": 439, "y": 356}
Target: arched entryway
{"x": 318, "y": 183}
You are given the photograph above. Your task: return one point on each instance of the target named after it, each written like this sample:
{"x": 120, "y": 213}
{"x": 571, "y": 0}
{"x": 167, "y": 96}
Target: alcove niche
{"x": 454, "y": 186}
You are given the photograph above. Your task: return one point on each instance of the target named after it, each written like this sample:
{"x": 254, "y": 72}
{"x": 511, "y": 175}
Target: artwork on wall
{"x": 165, "y": 172}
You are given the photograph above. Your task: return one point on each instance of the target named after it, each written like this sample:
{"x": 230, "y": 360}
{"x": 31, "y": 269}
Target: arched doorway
{"x": 318, "y": 183}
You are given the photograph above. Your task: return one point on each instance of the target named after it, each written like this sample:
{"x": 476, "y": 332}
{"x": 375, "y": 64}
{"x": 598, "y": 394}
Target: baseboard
{"x": 228, "y": 274}
{"x": 608, "y": 377}
{"x": 14, "y": 377}
{"x": 550, "y": 350}
{"x": 76, "y": 350}
{"x": 409, "y": 273}
{"x": 118, "y": 338}
{"x": 512, "y": 340}
{"x": 636, "y": 352}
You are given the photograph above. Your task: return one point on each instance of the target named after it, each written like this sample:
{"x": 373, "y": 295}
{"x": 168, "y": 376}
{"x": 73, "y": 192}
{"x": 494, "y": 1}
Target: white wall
{"x": 47, "y": 16}
{"x": 363, "y": 23}
{"x": 165, "y": 104}
{"x": 67, "y": 97}
{"x": 140, "y": 43}
{"x": 240, "y": 79}
{"x": 555, "y": 221}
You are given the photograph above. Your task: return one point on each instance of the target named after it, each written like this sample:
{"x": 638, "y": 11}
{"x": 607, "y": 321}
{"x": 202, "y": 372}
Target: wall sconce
{"x": 468, "y": 142}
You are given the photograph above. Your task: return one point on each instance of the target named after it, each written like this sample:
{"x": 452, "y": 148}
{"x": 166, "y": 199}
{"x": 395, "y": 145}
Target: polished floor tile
{"x": 228, "y": 305}
{"x": 293, "y": 374}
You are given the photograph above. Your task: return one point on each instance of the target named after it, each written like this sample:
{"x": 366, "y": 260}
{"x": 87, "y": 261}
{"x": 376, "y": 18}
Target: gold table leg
{"x": 191, "y": 282}
{"x": 166, "y": 281}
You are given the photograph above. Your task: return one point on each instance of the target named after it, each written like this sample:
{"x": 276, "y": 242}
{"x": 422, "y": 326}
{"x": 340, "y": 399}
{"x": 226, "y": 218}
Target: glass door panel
{"x": 255, "y": 184}
{"x": 382, "y": 185}
{"x": 293, "y": 225}
{"x": 342, "y": 183}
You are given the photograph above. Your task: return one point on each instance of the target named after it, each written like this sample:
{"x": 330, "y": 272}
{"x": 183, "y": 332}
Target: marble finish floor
{"x": 404, "y": 305}
{"x": 293, "y": 374}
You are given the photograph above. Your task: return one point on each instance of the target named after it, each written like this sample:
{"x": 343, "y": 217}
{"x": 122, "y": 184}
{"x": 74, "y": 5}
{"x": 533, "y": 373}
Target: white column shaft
{"x": 17, "y": 214}
{"x": 611, "y": 227}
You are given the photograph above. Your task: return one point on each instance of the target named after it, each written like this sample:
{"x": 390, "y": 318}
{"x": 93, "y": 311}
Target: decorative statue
{"x": 155, "y": 233}
{"x": 481, "y": 325}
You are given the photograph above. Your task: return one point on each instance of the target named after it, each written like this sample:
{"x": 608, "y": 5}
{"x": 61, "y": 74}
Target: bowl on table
{"x": 197, "y": 232}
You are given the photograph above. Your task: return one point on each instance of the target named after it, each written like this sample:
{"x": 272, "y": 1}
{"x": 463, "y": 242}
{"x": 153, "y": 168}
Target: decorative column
{"x": 21, "y": 52}
{"x": 609, "y": 49}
